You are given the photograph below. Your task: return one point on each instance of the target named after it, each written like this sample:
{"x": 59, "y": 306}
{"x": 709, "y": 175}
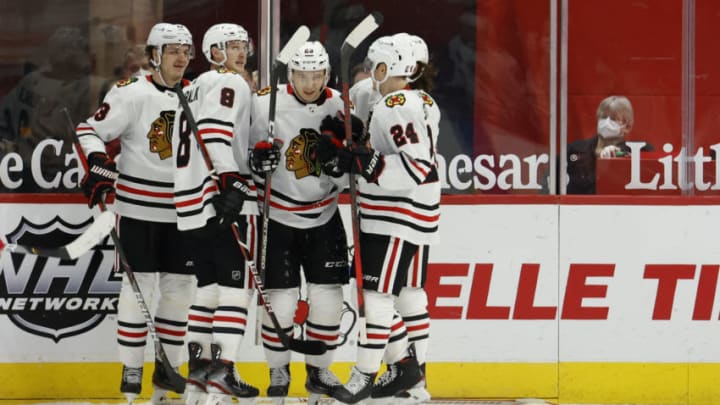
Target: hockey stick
{"x": 101, "y": 226}
{"x": 356, "y": 36}
{"x": 300, "y": 346}
{"x": 176, "y": 380}
{"x": 300, "y": 36}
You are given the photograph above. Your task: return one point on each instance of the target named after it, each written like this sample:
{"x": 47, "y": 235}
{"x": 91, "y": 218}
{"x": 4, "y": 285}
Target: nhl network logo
{"x": 52, "y": 297}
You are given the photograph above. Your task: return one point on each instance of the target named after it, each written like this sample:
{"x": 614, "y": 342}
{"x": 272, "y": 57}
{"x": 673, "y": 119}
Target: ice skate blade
{"x": 193, "y": 397}
{"x": 214, "y": 398}
{"x": 130, "y": 397}
{"x": 314, "y": 399}
{"x": 278, "y": 400}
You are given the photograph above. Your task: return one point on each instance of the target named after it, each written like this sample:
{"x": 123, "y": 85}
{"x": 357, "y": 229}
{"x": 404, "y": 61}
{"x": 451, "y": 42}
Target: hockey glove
{"x": 326, "y": 152}
{"x": 264, "y": 157}
{"x": 361, "y": 160}
{"x": 233, "y": 193}
{"x": 100, "y": 178}
{"x": 335, "y": 126}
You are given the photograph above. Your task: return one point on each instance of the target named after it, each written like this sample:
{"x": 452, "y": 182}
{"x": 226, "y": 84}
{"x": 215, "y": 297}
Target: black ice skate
{"x": 224, "y": 380}
{"x": 358, "y": 388}
{"x": 415, "y": 395}
{"x": 131, "y": 383}
{"x": 279, "y": 384}
{"x": 398, "y": 378}
{"x": 162, "y": 385}
{"x": 197, "y": 376}
{"x": 320, "y": 381}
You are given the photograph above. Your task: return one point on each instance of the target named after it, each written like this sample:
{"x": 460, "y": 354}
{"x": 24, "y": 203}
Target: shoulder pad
{"x": 263, "y": 91}
{"x": 426, "y": 98}
{"x": 125, "y": 82}
{"x": 394, "y": 100}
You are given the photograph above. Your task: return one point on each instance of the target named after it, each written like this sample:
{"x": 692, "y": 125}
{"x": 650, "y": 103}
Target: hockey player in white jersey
{"x": 305, "y": 230}
{"x": 140, "y": 112}
{"x": 220, "y": 103}
{"x": 412, "y": 319}
{"x": 399, "y": 195}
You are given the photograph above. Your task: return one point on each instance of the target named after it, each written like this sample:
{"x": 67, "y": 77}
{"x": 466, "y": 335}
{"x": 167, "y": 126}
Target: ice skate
{"x": 415, "y": 395}
{"x": 397, "y": 379}
{"x": 224, "y": 381}
{"x": 162, "y": 385}
{"x": 131, "y": 383}
{"x": 279, "y": 384}
{"x": 359, "y": 387}
{"x": 319, "y": 382}
{"x": 195, "y": 390}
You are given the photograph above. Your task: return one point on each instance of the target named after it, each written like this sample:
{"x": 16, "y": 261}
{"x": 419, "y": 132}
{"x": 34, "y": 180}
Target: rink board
{"x": 585, "y": 303}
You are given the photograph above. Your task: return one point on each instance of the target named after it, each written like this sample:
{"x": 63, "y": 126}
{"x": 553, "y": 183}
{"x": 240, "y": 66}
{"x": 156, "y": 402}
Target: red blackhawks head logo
{"x": 395, "y": 99}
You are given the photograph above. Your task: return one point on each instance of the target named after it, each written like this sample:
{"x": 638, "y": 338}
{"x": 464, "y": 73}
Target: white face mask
{"x": 607, "y": 128}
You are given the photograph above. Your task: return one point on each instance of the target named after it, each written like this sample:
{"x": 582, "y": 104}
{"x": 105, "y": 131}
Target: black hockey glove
{"x": 335, "y": 126}
{"x": 229, "y": 202}
{"x": 326, "y": 153}
{"x": 264, "y": 157}
{"x": 361, "y": 160}
{"x": 100, "y": 178}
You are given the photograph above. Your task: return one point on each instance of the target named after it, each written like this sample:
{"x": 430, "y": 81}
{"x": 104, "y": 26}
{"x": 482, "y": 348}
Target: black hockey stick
{"x": 176, "y": 380}
{"x": 356, "y": 36}
{"x": 301, "y": 346}
{"x": 101, "y": 226}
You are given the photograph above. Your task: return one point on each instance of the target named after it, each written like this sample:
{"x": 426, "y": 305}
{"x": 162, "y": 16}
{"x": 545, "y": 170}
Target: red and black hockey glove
{"x": 360, "y": 159}
{"x": 335, "y": 126}
{"x": 264, "y": 157}
{"x": 233, "y": 194}
{"x": 100, "y": 178}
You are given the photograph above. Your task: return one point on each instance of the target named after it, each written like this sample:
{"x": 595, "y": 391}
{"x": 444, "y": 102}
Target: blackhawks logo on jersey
{"x": 300, "y": 154}
{"x": 395, "y": 99}
{"x": 263, "y": 91}
{"x": 427, "y": 99}
{"x": 160, "y": 134}
{"x": 125, "y": 82}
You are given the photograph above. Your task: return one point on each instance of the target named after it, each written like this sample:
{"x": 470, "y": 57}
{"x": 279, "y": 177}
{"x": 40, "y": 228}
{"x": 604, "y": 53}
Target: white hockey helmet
{"x": 163, "y": 34}
{"x": 310, "y": 57}
{"x": 219, "y": 35}
{"x": 396, "y": 52}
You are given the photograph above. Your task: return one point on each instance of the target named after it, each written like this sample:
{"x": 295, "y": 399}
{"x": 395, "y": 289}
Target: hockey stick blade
{"x": 300, "y": 36}
{"x": 314, "y": 347}
{"x": 100, "y": 228}
{"x": 363, "y": 30}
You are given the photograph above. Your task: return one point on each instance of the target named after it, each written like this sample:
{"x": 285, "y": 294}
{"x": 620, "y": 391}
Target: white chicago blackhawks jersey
{"x": 220, "y": 104}
{"x": 363, "y": 97}
{"x": 302, "y": 196}
{"x": 141, "y": 114}
{"x": 405, "y": 203}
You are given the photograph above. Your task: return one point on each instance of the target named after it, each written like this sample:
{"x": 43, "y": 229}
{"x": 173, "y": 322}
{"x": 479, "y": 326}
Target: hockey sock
{"x": 201, "y": 318}
{"x": 284, "y": 302}
{"x": 132, "y": 329}
{"x": 230, "y": 320}
{"x": 379, "y": 311}
{"x": 323, "y": 323}
{"x": 397, "y": 344}
{"x": 412, "y": 305}
{"x": 171, "y": 317}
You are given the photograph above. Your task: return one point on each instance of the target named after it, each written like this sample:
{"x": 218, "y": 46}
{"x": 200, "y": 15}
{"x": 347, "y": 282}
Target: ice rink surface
{"x": 297, "y": 401}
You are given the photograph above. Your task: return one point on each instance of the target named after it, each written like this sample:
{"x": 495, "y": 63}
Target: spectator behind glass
{"x": 614, "y": 122}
